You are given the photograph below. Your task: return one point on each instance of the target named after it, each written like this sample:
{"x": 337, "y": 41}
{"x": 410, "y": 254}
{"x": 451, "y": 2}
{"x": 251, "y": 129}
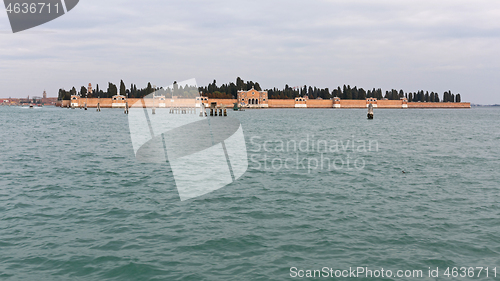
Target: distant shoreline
{"x": 485, "y": 105}
{"x": 271, "y": 103}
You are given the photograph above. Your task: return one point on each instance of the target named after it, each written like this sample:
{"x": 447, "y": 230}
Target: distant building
{"x": 405, "y": 102}
{"x": 200, "y": 101}
{"x": 44, "y": 94}
{"x": 301, "y": 102}
{"x": 253, "y": 98}
{"x": 75, "y": 101}
{"x": 336, "y": 102}
{"x": 372, "y": 101}
{"x": 160, "y": 101}
{"x": 118, "y": 101}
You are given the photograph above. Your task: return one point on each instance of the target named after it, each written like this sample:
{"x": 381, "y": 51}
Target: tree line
{"x": 185, "y": 91}
{"x": 230, "y": 91}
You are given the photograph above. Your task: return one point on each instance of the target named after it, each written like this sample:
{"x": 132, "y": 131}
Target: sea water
{"x": 326, "y": 192}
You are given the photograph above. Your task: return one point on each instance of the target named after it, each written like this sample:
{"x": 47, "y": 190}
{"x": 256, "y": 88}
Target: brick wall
{"x": 389, "y": 104}
{"x": 225, "y": 102}
{"x": 319, "y": 103}
{"x": 273, "y": 103}
{"x": 353, "y": 103}
{"x": 439, "y": 105}
{"x": 288, "y": 103}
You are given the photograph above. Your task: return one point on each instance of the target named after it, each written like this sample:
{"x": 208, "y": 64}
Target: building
{"x": 372, "y": 101}
{"x": 75, "y": 101}
{"x": 200, "y": 101}
{"x": 44, "y": 94}
{"x": 160, "y": 101}
{"x": 253, "y": 98}
{"x": 336, "y": 102}
{"x": 118, "y": 101}
{"x": 301, "y": 102}
{"x": 405, "y": 102}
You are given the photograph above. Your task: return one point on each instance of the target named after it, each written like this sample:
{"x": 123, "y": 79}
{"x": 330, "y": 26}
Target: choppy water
{"x": 76, "y": 205}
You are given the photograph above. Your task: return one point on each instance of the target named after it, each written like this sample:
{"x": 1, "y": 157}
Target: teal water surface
{"x": 418, "y": 190}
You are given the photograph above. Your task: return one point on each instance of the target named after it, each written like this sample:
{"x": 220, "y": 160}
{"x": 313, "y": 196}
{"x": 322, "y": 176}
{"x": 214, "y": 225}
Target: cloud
{"x": 411, "y": 45}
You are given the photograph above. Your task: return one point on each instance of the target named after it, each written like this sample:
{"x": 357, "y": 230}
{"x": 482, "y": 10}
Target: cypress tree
{"x": 122, "y": 88}
{"x": 348, "y": 93}
{"x": 354, "y": 93}
{"x": 362, "y": 94}
{"x": 83, "y": 92}
{"x": 112, "y": 90}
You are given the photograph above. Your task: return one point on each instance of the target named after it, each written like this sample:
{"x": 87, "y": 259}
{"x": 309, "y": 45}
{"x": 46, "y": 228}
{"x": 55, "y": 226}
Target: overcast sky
{"x": 410, "y": 45}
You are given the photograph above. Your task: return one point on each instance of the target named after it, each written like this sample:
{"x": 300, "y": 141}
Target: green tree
{"x": 149, "y": 89}
{"x": 64, "y": 95}
{"x": 354, "y": 93}
{"x": 257, "y": 87}
{"x": 123, "y": 89}
{"x": 112, "y": 90}
{"x": 361, "y": 94}
{"x": 348, "y": 93}
{"x": 83, "y": 92}
{"x": 240, "y": 84}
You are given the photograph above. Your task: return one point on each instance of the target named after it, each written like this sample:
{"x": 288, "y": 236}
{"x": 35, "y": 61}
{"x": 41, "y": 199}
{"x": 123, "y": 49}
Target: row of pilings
{"x": 178, "y": 110}
{"x": 222, "y": 112}
{"x": 182, "y": 110}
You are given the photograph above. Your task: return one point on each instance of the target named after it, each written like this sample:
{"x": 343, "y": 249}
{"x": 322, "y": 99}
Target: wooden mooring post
{"x": 370, "y": 111}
